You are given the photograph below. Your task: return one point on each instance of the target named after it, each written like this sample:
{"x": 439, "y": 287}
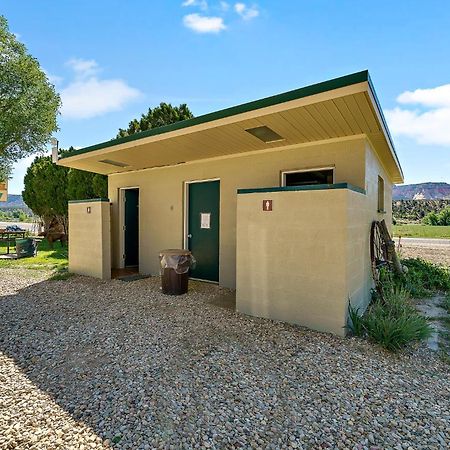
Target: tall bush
{"x": 441, "y": 218}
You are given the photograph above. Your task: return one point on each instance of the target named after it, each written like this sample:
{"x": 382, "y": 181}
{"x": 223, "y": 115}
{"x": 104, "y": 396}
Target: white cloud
{"x": 89, "y": 96}
{"x": 429, "y": 128}
{"x": 429, "y": 122}
{"x": 434, "y": 97}
{"x": 202, "y": 4}
{"x": 204, "y": 24}
{"x": 83, "y": 67}
{"x": 246, "y": 12}
{"x": 224, "y": 6}
{"x": 93, "y": 97}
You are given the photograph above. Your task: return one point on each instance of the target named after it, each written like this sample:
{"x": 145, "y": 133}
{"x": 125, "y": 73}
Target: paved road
{"x": 23, "y": 225}
{"x": 425, "y": 242}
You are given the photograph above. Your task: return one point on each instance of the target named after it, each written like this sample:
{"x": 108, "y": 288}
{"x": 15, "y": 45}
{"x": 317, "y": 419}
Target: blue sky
{"x": 111, "y": 60}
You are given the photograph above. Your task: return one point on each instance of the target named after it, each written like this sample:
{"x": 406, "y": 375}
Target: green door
{"x": 203, "y": 228}
{"x": 131, "y": 227}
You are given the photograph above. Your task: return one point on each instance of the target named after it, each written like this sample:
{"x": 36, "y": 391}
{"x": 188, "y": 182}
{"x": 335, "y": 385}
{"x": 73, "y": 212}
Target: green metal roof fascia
{"x": 311, "y": 187}
{"x": 307, "y": 91}
{"x": 391, "y": 141}
{"x": 90, "y": 200}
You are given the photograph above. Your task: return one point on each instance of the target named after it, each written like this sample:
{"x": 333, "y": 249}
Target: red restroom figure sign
{"x": 267, "y": 205}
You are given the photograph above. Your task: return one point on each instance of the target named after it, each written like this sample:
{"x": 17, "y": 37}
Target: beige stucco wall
{"x": 90, "y": 239}
{"x": 295, "y": 263}
{"x": 162, "y": 190}
{"x": 374, "y": 167}
{"x": 362, "y": 212}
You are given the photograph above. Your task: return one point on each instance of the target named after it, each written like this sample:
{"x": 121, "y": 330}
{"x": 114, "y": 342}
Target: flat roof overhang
{"x": 338, "y": 108}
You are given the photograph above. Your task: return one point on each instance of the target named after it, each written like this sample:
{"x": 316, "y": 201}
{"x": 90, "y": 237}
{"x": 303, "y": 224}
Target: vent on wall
{"x": 265, "y": 134}
{"x": 114, "y": 163}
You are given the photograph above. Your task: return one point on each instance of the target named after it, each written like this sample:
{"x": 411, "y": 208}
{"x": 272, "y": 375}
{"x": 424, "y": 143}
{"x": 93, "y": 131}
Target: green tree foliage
{"x": 48, "y": 188}
{"x": 83, "y": 185}
{"x": 14, "y": 215}
{"x": 441, "y": 218}
{"x": 411, "y": 211}
{"x": 28, "y": 102}
{"x": 100, "y": 185}
{"x": 161, "y": 115}
{"x": 45, "y": 189}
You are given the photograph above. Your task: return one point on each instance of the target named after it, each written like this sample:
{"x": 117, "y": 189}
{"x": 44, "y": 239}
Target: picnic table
{"x": 10, "y": 238}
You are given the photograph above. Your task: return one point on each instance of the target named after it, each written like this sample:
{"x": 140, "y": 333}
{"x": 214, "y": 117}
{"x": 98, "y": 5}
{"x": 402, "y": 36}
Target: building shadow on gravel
{"x": 136, "y": 366}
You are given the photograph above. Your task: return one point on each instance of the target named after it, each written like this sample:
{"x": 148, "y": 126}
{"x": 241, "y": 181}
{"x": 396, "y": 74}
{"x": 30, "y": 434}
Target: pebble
{"x": 91, "y": 364}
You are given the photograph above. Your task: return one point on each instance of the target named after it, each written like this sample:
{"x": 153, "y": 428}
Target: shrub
{"x": 394, "y": 328}
{"x": 444, "y": 216}
{"x": 441, "y": 218}
{"x": 356, "y": 321}
{"x": 431, "y": 219}
{"x": 392, "y": 322}
{"x": 424, "y": 277}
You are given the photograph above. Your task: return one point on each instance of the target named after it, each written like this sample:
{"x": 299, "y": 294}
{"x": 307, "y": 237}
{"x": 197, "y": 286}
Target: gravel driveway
{"x": 434, "y": 250}
{"x": 90, "y": 364}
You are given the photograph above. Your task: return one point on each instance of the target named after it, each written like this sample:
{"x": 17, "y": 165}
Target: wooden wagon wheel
{"x": 382, "y": 253}
{"x": 379, "y": 254}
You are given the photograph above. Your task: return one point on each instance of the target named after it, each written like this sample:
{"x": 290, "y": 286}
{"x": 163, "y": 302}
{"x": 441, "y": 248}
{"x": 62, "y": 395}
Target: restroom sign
{"x": 267, "y": 205}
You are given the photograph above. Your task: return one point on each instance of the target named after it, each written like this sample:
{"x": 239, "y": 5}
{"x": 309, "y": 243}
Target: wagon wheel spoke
{"x": 378, "y": 253}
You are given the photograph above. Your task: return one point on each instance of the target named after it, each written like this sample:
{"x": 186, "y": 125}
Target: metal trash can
{"x": 175, "y": 265}
{"x": 26, "y": 247}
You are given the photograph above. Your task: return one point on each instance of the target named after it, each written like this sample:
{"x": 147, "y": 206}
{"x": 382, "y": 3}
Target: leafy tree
{"x": 441, "y": 218}
{"x": 100, "y": 185}
{"x": 431, "y": 219}
{"x": 83, "y": 185}
{"x": 49, "y": 187}
{"x": 28, "y": 102}
{"x": 161, "y": 115}
{"x": 444, "y": 216}
{"x": 45, "y": 190}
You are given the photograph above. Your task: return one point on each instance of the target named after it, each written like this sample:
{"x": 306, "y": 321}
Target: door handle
{"x": 189, "y": 235}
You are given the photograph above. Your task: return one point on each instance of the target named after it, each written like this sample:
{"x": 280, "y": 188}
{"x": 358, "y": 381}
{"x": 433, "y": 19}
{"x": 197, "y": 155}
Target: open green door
{"x": 131, "y": 222}
{"x": 203, "y": 228}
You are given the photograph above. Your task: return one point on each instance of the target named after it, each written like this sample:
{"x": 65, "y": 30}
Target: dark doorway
{"x": 131, "y": 227}
{"x": 203, "y": 228}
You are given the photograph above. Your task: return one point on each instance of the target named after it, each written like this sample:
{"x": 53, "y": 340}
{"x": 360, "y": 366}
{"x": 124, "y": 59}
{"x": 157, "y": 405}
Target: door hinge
{"x": 124, "y": 228}
{"x": 123, "y": 256}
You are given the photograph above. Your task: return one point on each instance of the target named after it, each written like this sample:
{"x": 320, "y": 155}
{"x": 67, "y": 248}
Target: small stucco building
{"x": 275, "y": 198}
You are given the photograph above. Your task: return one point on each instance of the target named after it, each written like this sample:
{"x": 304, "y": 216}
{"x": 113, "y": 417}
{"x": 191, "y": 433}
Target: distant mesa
{"x": 422, "y": 191}
{"x": 14, "y": 201}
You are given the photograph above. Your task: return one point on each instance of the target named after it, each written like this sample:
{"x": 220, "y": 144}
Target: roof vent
{"x": 265, "y": 134}
{"x": 114, "y": 163}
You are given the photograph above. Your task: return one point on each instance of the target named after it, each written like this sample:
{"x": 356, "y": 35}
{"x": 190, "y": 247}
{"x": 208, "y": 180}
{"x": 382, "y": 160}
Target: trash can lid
{"x": 175, "y": 251}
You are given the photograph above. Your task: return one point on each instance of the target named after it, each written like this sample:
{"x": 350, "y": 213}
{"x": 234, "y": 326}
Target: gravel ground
{"x": 425, "y": 249}
{"x": 89, "y": 364}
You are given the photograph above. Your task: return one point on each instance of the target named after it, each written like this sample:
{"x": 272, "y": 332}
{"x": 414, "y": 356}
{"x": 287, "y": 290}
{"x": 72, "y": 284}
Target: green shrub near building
{"x": 393, "y": 321}
{"x": 441, "y": 218}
